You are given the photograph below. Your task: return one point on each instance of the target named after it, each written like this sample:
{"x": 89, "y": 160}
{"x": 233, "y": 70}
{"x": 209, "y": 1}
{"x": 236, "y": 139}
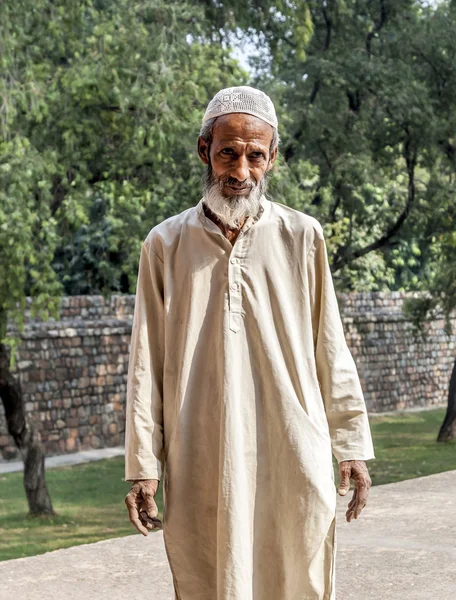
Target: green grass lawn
{"x": 405, "y": 446}
{"x": 89, "y": 498}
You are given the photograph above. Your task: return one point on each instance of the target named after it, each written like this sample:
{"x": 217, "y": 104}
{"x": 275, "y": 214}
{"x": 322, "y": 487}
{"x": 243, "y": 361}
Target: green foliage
{"x": 102, "y": 102}
{"x": 370, "y": 109}
{"x": 440, "y": 299}
{"x": 28, "y": 231}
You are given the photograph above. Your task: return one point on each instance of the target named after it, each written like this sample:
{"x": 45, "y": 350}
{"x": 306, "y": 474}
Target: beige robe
{"x": 241, "y": 381}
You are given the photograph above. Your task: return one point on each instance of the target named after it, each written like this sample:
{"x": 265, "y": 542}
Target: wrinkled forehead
{"x": 241, "y": 127}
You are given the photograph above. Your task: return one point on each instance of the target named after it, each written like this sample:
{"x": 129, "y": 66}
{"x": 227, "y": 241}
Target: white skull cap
{"x": 242, "y": 99}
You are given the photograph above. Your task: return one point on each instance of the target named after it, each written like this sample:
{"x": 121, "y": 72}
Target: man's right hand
{"x": 141, "y": 505}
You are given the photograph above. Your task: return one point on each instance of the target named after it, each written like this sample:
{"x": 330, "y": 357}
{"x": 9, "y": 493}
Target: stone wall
{"x": 73, "y": 374}
{"x": 73, "y": 371}
{"x": 397, "y": 368}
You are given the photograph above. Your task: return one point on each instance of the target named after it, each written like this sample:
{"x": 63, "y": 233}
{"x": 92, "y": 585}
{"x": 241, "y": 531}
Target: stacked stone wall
{"x": 73, "y": 371}
{"x": 398, "y": 368}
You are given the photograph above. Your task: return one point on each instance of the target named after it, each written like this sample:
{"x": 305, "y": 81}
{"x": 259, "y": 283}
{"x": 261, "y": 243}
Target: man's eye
{"x": 227, "y": 151}
{"x": 257, "y": 155}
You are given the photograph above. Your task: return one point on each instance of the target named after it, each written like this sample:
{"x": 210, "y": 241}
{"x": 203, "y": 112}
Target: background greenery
{"x": 101, "y": 107}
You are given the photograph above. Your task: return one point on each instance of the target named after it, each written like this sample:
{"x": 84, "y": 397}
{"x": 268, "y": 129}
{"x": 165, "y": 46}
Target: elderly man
{"x": 241, "y": 381}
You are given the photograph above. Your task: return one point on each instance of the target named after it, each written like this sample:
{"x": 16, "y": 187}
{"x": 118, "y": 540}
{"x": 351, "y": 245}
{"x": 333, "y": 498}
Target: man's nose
{"x": 240, "y": 170}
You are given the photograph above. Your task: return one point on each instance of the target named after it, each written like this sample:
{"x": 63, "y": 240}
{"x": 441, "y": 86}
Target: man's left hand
{"x": 356, "y": 470}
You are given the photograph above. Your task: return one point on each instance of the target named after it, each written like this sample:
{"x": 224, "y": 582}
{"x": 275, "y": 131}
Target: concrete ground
{"x": 63, "y": 460}
{"x": 402, "y": 547}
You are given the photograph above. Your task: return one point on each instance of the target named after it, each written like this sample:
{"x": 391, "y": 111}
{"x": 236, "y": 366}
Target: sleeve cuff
{"x": 356, "y": 457}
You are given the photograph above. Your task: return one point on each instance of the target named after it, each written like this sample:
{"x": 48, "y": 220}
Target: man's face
{"x": 237, "y": 162}
{"x": 239, "y": 152}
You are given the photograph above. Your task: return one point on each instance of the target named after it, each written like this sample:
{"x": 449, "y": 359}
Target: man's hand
{"x": 141, "y": 505}
{"x": 356, "y": 470}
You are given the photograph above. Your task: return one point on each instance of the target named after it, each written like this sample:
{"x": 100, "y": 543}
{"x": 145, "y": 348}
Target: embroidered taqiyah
{"x": 242, "y": 99}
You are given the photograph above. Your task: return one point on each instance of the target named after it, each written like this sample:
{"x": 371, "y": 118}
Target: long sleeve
{"x": 144, "y": 451}
{"x": 337, "y": 373}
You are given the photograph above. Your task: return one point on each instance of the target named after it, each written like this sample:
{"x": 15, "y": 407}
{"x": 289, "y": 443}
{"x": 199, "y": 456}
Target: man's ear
{"x": 203, "y": 150}
{"x": 272, "y": 159}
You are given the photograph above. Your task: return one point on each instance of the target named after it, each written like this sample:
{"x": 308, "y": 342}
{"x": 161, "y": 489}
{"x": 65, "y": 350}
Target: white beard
{"x": 231, "y": 210}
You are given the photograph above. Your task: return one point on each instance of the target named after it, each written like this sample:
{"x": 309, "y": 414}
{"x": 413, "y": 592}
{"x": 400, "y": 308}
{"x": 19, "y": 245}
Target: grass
{"x": 89, "y": 498}
{"x": 405, "y": 446}
{"x": 89, "y": 502}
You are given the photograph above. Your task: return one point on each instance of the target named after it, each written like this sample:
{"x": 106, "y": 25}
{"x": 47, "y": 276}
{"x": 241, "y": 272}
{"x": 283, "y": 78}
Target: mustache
{"x": 210, "y": 179}
{"x": 233, "y": 182}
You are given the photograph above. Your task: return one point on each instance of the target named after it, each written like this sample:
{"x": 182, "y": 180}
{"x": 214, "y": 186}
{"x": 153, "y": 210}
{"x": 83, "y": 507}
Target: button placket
{"x": 234, "y": 263}
{"x": 235, "y": 289}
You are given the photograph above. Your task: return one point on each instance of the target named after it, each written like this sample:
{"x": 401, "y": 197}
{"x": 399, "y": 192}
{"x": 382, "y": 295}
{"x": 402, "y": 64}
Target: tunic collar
{"x": 251, "y": 220}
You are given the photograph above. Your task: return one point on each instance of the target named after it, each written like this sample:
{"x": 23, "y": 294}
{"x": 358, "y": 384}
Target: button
{"x": 233, "y": 260}
{"x": 234, "y": 286}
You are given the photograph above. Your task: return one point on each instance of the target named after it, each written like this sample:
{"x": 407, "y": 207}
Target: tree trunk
{"x": 21, "y": 428}
{"x": 448, "y": 430}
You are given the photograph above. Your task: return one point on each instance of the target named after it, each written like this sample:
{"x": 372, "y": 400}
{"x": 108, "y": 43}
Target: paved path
{"x": 402, "y": 547}
{"x": 63, "y": 460}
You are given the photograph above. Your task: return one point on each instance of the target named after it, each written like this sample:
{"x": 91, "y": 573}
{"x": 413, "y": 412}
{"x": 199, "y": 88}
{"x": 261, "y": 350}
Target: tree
{"x": 365, "y": 92}
{"x": 440, "y": 302}
{"x": 100, "y": 105}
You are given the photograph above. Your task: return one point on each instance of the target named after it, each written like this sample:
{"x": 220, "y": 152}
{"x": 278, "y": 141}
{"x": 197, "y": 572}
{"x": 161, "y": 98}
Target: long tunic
{"x": 240, "y": 381}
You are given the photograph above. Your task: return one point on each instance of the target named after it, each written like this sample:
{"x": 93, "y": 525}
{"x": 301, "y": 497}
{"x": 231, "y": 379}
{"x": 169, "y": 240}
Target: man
{"x": 241, "y": 381}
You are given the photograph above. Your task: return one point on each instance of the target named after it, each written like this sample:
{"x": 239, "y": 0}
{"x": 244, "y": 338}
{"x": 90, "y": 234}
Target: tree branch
{"x": 448, "y": 148}
{"x": 328, "y": 23}
{"x": 111, "y": 108}
{"x": 377, "y": 26}
{"x": 343, "y": 255}
{"x": 430, "y": 63}
{"x": 354, "y": 100}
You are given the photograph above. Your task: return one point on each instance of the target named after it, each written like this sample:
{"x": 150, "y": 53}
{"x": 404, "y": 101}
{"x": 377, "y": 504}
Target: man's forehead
{"x": 241, "y": 126}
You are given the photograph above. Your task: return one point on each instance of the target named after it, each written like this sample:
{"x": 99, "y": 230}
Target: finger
{"x": 358, "y": 508}
{"x": 351, "y": 507}
{"x": 344, "y": 484}
{"x": 351, "y": 511}
{"x": 133, "y": 514}
{"x": 353, "y": 500}
{"x": 363, "y": 491}
{"x": 139, "y": 526}
{"x": 149, "y": 506}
